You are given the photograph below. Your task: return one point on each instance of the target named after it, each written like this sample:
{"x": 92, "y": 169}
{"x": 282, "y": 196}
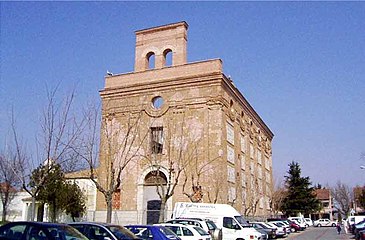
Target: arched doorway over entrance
{"x": 151, "y": 199}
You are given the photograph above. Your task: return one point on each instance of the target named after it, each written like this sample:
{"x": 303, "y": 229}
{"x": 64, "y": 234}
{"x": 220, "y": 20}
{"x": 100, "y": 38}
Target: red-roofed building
{"x": 324, "y": 195}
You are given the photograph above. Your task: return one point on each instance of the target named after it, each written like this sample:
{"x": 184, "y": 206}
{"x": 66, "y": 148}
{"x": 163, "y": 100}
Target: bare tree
{"x": 193, "y": 172}
{"x": 121, "y": 140}
{"x": 9, "y": 181}
{"x": 253, "y": 197}
{"x": 214, "y": 191}
{"x": 59, "y": 130}
{"x": 277, "y": 199}
{"x": 180, "y": 148}
{"x": 343, "y": 198}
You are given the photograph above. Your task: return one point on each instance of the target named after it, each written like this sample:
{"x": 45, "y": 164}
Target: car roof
{"x": 191, "y": 219}
{"x": 171, "y": 224}
{"x": 141, "y": 225}
{"x": 95, "y": 224}
{"x": 46, "y": 224}
{"x": 177, "y": 224}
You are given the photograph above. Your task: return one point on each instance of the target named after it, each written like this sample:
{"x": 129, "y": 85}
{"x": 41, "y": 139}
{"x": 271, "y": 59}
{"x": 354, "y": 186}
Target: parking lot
{"x": 324, "y": 233}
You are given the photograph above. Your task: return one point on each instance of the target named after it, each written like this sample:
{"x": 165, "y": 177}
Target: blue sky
{"x": 301, "y": 65}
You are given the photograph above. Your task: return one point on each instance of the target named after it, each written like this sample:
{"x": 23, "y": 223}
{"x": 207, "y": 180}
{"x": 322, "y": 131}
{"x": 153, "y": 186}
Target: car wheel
{"x": 293, "y": 230}
{"x": 319, "y": 225}
{"x": 217, "y": 234}
{"x": 333, "y": 225}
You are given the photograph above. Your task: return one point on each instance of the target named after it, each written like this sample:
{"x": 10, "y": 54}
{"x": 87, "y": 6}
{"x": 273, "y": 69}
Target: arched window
{"x": 155, "y": 178}
{"x": 167, "y": 54}
{"x": 151, "y": 60}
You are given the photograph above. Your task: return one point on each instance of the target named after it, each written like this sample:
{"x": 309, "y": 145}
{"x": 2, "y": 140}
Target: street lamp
{"x": 362, "y": 167}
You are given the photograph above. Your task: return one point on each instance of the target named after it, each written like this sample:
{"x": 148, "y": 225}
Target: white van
{"x": 233, "y": 225}
{"x": 353, "y": 220}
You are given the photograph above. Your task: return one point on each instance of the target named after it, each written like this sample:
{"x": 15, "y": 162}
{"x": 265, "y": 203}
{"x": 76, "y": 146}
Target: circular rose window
{"x": 157, "y": 102}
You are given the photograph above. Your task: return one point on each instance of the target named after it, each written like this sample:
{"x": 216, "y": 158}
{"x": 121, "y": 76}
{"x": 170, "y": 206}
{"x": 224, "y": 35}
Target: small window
{"x": 167, "y": 57}
{"x": 151, "y": 60}
{"x": 156, "y": 140}
{"x": 157, "y": 102}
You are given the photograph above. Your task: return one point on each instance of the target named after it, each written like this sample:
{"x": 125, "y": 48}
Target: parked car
{"x": 294, "y": 226}
{"x": 152, "y": 232}
{"x": 269, "y": 231}
{"x": 39, "y": 230}
{"x": 308, "y": 222}
{"x": 361, "y": 235}
{"x": 187, "y": 232}
{"x": 358, "y": 228}
{"x": 300, "y": 221}
{"x": 352, "y": 220}
{"x": 206, "y": 224}
{"x": 324, "y": 222}
{"x": 283, "y": 225}
{"x": 280, "y": 230}
{"x": 97, "y": 231}
{"x": 264, "y": 235}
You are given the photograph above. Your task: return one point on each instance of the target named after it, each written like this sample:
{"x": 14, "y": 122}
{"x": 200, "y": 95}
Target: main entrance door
{"x": 151, "y": 199}
{"x": 153, "y": 211}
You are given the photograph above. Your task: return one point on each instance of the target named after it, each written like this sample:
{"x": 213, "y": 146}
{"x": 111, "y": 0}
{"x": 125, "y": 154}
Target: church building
{"x": 183, "y": 129}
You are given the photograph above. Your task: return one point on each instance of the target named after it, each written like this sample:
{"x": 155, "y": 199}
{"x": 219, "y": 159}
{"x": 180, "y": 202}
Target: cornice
{"x": 234, "y": 91}
{"x": 180, "y": 82}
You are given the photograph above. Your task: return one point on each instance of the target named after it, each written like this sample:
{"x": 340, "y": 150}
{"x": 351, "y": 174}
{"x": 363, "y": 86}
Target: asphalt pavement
{"x": 320, "y": 233}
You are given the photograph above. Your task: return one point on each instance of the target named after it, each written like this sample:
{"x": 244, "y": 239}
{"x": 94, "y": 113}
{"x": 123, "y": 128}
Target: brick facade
{"x": 199, "y": 110}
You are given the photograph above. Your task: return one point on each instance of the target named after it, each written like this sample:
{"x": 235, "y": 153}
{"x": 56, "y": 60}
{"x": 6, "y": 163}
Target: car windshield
{"x": 121, "y": 233}
{"x": 242, "y": 221}
{"x": 167, "y": 232}
{"x": 68, "y": 232}
{"x": 257, "y": 226}
{"x": 201, "y": 231}
{"x": 175, "y": 229}
{"x": 279, "y": 224}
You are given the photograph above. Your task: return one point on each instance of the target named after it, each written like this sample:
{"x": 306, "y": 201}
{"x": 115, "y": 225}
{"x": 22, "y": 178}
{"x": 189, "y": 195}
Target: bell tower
{"x": 157, "y": 43}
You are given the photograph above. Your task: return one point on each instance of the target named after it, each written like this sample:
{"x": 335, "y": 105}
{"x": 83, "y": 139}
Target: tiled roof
{"x": 323, "y": 194}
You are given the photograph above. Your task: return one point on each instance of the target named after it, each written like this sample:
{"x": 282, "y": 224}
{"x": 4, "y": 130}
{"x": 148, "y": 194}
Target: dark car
{"x": 39, "y": 231}
{"x": 149, "y": 232}
{"x": 358, "y": 228}
{"x": 294, "y": 227}
{"x": 264, "y": 235}
{"x": 271, "y": 232}
{"x": 361, "y": 235}
{"x": 103, "y": 231}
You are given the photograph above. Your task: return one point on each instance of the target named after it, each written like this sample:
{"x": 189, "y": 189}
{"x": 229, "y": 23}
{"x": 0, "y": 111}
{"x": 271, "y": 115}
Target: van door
{"x": 231, "y": 229}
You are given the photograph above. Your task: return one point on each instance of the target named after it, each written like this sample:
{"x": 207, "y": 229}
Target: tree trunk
{"x": 4, "y": 213}
{"x": 53, "y": 211}
{"x": 109, "y": 209}
{"x": 40, "y": 212}
{"x": 162, "y": 211}
{"x": 32, "y": 213}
